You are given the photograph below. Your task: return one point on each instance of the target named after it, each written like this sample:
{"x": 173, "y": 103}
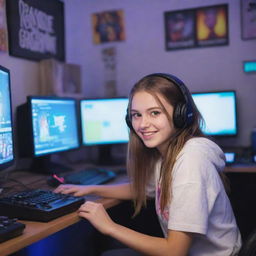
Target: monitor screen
{"x": 103, "y": 121}
{"x": 54, "y": 125}
{"x": 230, "y": 157}
{"x": 6, "y": 129}
{"x": 219, "y": 112}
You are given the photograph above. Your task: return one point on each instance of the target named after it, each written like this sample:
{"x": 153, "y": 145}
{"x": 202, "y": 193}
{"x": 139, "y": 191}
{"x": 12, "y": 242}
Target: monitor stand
{"x": 105, "y": 156}
{"x": 44, "y": 165}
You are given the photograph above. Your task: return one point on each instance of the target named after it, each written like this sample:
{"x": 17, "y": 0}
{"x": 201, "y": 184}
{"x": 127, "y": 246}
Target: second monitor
{"x": 103, "y": 124}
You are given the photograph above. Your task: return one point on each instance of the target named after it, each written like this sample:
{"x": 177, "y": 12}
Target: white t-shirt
{"x": 199, "y": 203}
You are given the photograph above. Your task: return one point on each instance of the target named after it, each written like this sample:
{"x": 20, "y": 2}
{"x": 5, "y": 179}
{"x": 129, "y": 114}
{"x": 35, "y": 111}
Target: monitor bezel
{"x": 29, "y": 104}
{"x": 5, "y": 165}
{"x": 236, "y": 112}
{"x": 80, "y": 121}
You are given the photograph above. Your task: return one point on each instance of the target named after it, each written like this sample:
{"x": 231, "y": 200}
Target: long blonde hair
{"x": 141, "y": 160}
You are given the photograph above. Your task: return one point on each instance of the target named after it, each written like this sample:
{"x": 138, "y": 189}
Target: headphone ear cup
{"x": 179, "y": 115}
{"x": 128, "y": 121}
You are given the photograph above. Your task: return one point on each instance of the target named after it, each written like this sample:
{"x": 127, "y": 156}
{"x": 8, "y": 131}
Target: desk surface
{"x": 241, "y": 168}
{"x": 36, "y": 231}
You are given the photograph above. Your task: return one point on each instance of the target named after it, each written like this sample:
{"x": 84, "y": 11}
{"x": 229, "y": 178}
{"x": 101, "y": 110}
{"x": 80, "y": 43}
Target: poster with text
{"x": 108, "y": 26}
{"x": 36, "y": 29}
{"x": 179, "y": 29}
{"x": 212, "y": 25}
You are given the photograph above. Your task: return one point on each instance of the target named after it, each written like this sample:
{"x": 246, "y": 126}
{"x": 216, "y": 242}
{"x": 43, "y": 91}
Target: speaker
{"x": 183, "y": 111}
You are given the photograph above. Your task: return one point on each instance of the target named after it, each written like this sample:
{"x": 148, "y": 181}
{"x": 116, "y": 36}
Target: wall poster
{"x": 109, "y": 61}
{"x": 180, "y": 29}
{"x": 248, "y": 19}
{"x": 36, "y": 29}
{"x": 3, "y": 28}
{"x": 108, "y": 26}
{"x": 197, "y": 27}
{"x": 212, "y": 25}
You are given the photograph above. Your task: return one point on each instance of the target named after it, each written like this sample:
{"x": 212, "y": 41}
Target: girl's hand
{"x": 76, "y": 190}
{"x": 97, "y": 215}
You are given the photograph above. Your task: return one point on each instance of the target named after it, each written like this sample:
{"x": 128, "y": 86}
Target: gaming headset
{"x": 183, "y": 111}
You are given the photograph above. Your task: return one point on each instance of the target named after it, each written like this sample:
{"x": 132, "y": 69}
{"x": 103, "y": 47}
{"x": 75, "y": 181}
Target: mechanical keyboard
{"x": 39, "y": 205}
{"x": 10, "y": 228}
{"x": 91, "y": 176}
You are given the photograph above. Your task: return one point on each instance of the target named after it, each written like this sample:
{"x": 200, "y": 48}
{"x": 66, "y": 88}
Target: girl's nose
{"x": 144, "y": 122}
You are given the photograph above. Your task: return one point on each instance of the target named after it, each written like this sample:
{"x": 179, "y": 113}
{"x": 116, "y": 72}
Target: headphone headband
{"x": 183, "y": 111}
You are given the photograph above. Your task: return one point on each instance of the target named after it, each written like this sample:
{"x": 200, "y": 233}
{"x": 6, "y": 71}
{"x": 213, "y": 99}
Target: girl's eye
{"x": 135, "y": 115}
{"x": 155, "y": 113}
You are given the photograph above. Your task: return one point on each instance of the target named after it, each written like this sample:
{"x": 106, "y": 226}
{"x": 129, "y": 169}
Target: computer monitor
{"x": 103, "y": 124}
{"x": 47, "y": 125}
{"x": 6, "y": 125}
{"x": 219, "y": 112}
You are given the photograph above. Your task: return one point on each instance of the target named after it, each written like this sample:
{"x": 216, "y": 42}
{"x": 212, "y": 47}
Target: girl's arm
{"x": 118, "y": 191}
{"x": 177, "y": 243}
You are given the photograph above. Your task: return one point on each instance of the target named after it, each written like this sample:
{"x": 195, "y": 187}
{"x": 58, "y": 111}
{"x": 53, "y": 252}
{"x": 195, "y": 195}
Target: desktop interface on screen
{"x": 218, "y": 110}
{"x": 103, "y": 121}
{"x": 6, "y": 138}
{"x": 54, "y": 124}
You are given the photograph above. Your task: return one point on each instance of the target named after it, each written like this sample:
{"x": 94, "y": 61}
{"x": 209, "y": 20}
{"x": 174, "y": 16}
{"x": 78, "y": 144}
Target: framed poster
{"x": 179, "y": 29}
{"x": 3, "y": 29}
{"x": 212, "y": 25}
{"x": 197, "y": 27}
{"x": 248, "y": 19}
{"x": 108, "y": 26}
{"x": 36, "y": 29}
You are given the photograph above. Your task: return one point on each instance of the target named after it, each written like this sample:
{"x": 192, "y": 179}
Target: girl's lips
{"x": 147, "y": 135}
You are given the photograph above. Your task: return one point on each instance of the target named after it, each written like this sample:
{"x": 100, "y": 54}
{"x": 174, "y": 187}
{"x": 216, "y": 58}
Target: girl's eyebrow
{"x": 149, "y": 109}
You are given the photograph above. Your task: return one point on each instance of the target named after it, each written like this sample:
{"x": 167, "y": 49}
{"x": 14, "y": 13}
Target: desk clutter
{"x": 240, "y": 156}
{"x": 10, "y": 228}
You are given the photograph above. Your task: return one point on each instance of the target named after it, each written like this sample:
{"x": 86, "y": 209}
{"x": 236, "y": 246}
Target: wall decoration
{"x": 36, "y": 29}
{"x": 109, "y": 61}
{"x": 249, "y": 66}
{"x": 59, "y": 78}
{"x": 108, "y": 26}
{"x": 248, "y": 19}
{"x": 180, "y": 29}
{"x": 212, "y": 25}
{"x": 3, "y": 29}
{"x": 197, "y": 27}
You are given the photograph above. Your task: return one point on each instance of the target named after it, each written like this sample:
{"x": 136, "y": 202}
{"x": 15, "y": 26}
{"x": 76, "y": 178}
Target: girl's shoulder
{"x": 198, "y": 159}
{"x": 202, "y": 143}
{"x": 202, "y": 149}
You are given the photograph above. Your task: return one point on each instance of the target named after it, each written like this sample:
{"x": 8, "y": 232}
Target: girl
{"x": 169, "y": 155}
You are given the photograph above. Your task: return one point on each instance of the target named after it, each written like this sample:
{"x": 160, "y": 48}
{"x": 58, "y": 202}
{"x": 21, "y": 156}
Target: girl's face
{"x": 150, "y": 122}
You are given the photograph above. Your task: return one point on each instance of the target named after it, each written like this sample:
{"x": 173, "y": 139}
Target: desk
{"x": 241, "y": 169}
{"x": 36, "y": 231}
